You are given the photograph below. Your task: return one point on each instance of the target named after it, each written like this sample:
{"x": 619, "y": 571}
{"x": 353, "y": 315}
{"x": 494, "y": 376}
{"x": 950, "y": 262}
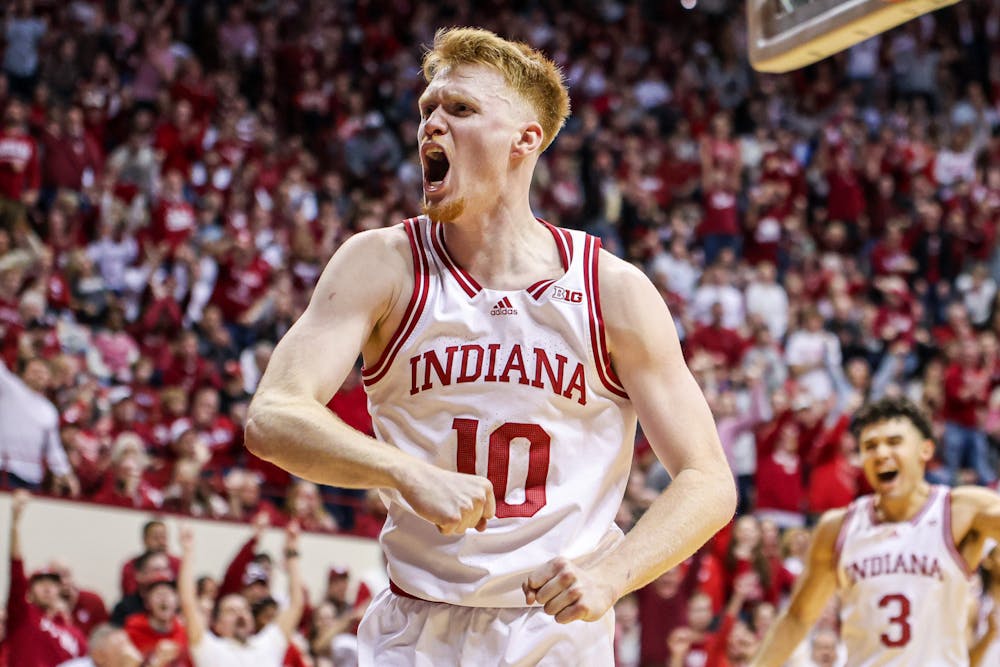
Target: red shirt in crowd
{"x": 659, "y": 615}
{"x": 779, "y": 482}
{"x": 34, "y": 639}
{"x": 720, "y": 214}
{"x": 146, "y": 637}
{"x": 19, "y": 168}
{"x": 89, "y": 611}
{"x": 68, "y": 158}
{"x": 146, "y": 497}
{"x": 718, "y": 340}
{"x": 239, "y": 287}
{"x": 965, "y": 392}
{"x": 173, "y": 222}
{"x": 128, "y": 582}
{"x": 845, "y": 200}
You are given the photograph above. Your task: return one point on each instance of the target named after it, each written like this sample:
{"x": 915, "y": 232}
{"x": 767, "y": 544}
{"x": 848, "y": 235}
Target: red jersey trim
{"x": 564, "y": 243}
{"x": 838, "y": 546}
{"x": 949, "y": 538}
{"x": 538, "y": 289}
{"x": 462, "y": 277}
{"x": 591, "y": 249}
{"x": 421, "y": 287}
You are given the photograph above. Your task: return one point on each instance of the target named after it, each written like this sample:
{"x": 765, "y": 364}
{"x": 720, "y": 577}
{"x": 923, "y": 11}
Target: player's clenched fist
{"x": 452, "y": 501}
{"x": 569, "y": 592}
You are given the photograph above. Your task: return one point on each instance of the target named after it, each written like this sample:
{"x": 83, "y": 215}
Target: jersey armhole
{"x": 949, "y": 538}
{"x": 421, "y": 284}
{"x": 598, "y": 338}
{"x": 838, "y": 546}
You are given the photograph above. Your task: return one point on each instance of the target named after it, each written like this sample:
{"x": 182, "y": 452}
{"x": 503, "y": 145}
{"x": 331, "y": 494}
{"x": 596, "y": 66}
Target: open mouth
{"x": 436, "y": 166}
{"x": 888, "y": 475}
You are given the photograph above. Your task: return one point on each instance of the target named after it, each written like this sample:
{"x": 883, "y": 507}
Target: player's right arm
{"x": 812, "y": 592}
{"x": 354, "y": 307}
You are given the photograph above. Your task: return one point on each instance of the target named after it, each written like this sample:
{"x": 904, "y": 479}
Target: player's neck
{"x": 503, "y": 247}
{"x": 894, "y": 510}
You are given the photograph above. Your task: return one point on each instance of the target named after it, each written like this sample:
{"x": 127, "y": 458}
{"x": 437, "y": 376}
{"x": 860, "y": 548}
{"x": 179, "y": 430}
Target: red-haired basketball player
{"x": 506, "y": 361}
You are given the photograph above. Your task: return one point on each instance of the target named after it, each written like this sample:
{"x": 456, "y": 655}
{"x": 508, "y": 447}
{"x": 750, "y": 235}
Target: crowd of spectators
{"x": 167, "y": 616}
{"x": 174, "y": 176}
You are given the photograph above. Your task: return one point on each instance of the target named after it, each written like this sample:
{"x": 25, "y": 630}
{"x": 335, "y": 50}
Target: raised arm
{"x": 356, "y": 306}
{"x": 194, "y": 622}
{"x": 815, "y": 586}
{"x": 288, "y": 619}
{"x": 701, "y": 498}
{"x": 17, "y": 603}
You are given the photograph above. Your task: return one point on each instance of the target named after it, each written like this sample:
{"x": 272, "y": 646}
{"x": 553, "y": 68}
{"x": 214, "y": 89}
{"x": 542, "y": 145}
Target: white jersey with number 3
{"x": 905, "y": 589}
{"x": 515, "y": 386}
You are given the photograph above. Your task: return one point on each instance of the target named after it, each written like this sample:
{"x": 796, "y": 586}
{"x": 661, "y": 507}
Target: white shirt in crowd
{"x": 29, "y": 431}
{"x": 265, "y": 649}
{"x": 819, "y": 347}
{"x": 677, "y": 274}
{"x": 732, "y": 305}
{"x": 770, "y": 302}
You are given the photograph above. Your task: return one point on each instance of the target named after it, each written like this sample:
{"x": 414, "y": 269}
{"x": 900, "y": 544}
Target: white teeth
{"x": 435, "y": 153}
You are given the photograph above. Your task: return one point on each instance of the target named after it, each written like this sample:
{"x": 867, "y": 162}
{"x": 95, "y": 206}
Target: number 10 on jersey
{"x": 498, "y": 463}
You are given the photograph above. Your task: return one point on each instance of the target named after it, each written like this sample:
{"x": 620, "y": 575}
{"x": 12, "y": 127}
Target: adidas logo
{"x": 504, "y": 307}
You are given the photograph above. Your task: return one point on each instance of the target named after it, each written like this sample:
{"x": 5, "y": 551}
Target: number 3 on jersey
{"x": 901, "y": 621}
{"x": 498, "y": 466}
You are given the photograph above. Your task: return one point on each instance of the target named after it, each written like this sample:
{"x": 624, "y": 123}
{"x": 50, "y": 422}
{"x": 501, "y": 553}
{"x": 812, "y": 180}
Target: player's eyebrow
{"x": 447, "y": 95}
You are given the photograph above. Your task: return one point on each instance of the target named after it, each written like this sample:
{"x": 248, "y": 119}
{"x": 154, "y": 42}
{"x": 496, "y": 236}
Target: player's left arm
{"x": 646, "y": 356}
{"x": 979, "y": 508}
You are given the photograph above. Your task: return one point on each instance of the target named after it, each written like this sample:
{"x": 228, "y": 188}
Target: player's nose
{"x": 434, "y": 124}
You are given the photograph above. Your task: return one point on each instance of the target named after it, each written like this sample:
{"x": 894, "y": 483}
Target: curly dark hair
{"x": 891, "y": 407}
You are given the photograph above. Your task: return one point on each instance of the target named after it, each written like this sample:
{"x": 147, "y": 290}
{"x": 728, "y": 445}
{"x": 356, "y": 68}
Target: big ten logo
{"x": 567, "y": 295}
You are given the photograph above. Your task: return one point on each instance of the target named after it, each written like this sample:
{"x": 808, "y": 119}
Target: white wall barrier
{"x": 96, "y": 541}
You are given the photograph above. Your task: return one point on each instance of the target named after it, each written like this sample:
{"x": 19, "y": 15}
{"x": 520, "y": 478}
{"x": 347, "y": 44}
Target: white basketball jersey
{"x": 904, "y": 587}
{"x": 513, "y": 385}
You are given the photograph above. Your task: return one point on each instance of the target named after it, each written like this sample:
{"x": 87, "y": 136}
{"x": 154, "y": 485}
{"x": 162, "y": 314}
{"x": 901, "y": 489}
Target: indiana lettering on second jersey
{"x": 515, "y": 386}
{"x": 475, "y": 363}
{"x": 895, "y": 563}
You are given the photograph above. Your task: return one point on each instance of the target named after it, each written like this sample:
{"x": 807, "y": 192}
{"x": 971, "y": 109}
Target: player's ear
{"x": 528, "y": 140}
{"x": 927, "y": 450}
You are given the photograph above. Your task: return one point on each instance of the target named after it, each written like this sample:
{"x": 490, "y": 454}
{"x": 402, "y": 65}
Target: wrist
{"x": 292, "y": 553}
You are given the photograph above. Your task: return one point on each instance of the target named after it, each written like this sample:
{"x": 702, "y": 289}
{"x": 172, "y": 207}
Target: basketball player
{"x": 505, "y": 363}
{"x": 900, "y": 558}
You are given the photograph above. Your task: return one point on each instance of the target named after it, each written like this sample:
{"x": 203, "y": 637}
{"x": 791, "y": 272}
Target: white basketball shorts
{"x": 398, "y": 631}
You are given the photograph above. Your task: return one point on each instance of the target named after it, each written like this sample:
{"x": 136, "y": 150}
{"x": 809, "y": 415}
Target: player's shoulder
{"x": 968, "y": 497}
{"x": 625, "y": 288}
{"x": 387, "y": 248}
{"x": 827, "y": 530}
{"x": 384, "y": 241}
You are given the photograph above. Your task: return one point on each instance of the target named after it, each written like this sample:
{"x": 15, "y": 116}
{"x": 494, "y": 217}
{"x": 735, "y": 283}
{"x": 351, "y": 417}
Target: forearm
{"x": 188, "y": 594}
{"x": 289, "y": 618}
{"x": 781, "y": 640}
{"x": 15, "y": 540}
{"x": 685, "y": 516}
{"x": 321, "y": 644}
{"x": 978, "y": 651}
{"x": 306, "y": 439}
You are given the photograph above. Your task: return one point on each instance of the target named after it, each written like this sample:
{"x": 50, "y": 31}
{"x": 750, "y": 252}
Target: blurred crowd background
{"x": 174, "y": 176}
